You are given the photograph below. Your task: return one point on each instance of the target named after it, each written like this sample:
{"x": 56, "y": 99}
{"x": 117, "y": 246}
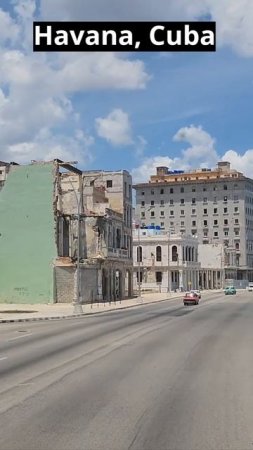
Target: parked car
{"x": 230, "y": 290}
{"x": 196, "y": 291}
{"x": 191, "y": 298}
{"x": 250, "y": 287}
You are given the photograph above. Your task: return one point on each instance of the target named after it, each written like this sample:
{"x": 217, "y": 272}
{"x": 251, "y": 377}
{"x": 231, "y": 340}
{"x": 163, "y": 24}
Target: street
{"x": 156, "y": 377}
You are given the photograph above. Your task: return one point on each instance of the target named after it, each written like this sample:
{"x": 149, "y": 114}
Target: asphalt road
{"x": 157, "y": 377}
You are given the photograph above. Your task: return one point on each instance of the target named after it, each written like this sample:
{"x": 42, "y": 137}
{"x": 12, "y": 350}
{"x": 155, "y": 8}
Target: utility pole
{"x": 76, "y": 300}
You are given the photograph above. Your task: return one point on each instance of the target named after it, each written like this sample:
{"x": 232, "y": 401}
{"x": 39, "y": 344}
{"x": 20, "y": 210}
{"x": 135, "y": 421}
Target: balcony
{"x": 117, "y": 253}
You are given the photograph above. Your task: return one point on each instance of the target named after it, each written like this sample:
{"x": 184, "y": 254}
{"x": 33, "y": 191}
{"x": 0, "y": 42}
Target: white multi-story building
{"x": 164, "y": 261}
{"x": 214, "y": 205}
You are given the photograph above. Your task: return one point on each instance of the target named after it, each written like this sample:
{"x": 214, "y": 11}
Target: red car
{"x": 191, "y": 298}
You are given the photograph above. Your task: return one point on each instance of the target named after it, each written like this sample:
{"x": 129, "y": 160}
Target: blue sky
{"x": 131, "y": 111}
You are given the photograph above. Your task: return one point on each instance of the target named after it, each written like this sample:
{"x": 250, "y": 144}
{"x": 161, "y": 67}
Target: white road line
{"x": 19, "y": 337}
{"x": 3, "y": 357}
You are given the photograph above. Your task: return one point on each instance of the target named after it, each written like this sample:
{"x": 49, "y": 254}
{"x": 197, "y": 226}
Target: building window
{"x": 237, "y": 246}
{"x": 236, "y": 209}
{"x": 182, "y": 212}
{"x": 137, "y": 276}
{"x": 193, "y": 189}
{"x": 193, "y": 201}
{"x": 171, "y": 224}
{"x": 162, "y": 224}
{"x": 159, "y": 253}
{"x": 205, "y": 211}
{"x": 235, "y": 198}
{"x": 225, "y": 233}
{"x": 216, "y": 234}
{"x": 152, "y": 192}
{"x": 142, "y": 203}
{"x": 171, "y": 213}
{"x": 182, "y": 223}
{"x": 174, "y": 253}
{"x": 162, "y": 191}
{"x": 194, "y": 232}
{"x": 162, "y": 213}
{"x": 171, "y": 191}
{"x": 181, "y": 189}
{"x": 139, "y": 254}
{"x": 225, "y": 221}
{"x": 205, "y": 200}
{"x": 152, "y": 203}
{"x": 215, "y": 199}
{"x": 143, "y": 193}
{"x": 205, "y": 223}
{"x": 194, "y": 223}
{"x": 109, "y": 183}
{"x": 236, "y": 221}
{"x": 225, "y": 210}
{"x": 143, "y": 215}
{"x": 215, "y": 222}
{"x": 204, "y": 188}
{"x": 205, "y": 233}
{"x": 236, "y": 233}
{"x": 162, "y": 202}
{"x": 152, "y": 214}
{"x": 214, "y": 188}
{"x": 215, "y": 211}
{"x": 159, "y": 277}
{"x": 225, "y": 199}
{"x": 225, "y": 187}
{"x": 193, "y": 211}
{"x": 182, "y": 201}
{"x": 171, "y": 202}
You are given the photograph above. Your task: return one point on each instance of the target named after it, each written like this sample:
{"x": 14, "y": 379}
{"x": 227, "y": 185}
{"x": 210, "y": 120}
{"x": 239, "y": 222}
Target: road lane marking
{"x": 3, "y": 357}
{"x": 19, "y": 337}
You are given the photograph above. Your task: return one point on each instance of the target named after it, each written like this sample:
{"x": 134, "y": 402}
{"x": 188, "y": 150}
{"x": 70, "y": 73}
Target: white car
{"x": 196, "y": 291}
{"x": 250, "y": 287}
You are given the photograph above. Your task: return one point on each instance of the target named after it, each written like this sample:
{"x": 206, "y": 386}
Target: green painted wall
{"x": 27, "y": 239}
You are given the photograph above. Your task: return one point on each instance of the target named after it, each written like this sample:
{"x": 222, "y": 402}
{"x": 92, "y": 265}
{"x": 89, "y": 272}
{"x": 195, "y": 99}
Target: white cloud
{"x": 234, "y": 17}
{"x": 46, "y": 146}
{"x": 243, "y": 163}
{"x": 202, "y": 153}
{"x": 36, "y": 88}
{"x": 115, "y": 128}
{"x": 9, "y": 30}
{"x": 201, "y": 150}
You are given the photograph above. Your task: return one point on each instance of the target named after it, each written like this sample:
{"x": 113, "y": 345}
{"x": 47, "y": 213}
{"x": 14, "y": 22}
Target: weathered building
{"x": 165, "y": 261}
{"x": 46, "y": 210}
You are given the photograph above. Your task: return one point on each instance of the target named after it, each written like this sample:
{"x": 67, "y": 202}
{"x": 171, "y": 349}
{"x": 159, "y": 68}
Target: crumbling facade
{"x": 65, "y": 216}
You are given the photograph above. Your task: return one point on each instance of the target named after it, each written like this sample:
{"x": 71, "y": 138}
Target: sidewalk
{"x": 23, "y": 312}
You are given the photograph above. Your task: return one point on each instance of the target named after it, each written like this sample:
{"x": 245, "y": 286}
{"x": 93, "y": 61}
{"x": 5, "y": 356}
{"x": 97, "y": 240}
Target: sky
{"x": 132, "y": 111}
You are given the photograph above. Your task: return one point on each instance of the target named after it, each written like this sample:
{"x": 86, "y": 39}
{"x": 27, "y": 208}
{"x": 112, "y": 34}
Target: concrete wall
{"x": 211, "y": 256}
{"x": 64, "y": 277}
{"x": 27, "y": 235}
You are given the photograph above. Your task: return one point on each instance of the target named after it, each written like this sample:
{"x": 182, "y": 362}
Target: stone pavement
{"x": 24, "y": 312}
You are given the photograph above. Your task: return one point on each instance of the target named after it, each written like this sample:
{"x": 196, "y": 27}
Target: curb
{"x": 73, "y": 316}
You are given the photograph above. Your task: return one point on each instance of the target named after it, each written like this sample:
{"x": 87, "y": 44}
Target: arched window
{"x": 139, "y": 254}
{"x": 174, "y": 253}
{"x": 158, "y": 253}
